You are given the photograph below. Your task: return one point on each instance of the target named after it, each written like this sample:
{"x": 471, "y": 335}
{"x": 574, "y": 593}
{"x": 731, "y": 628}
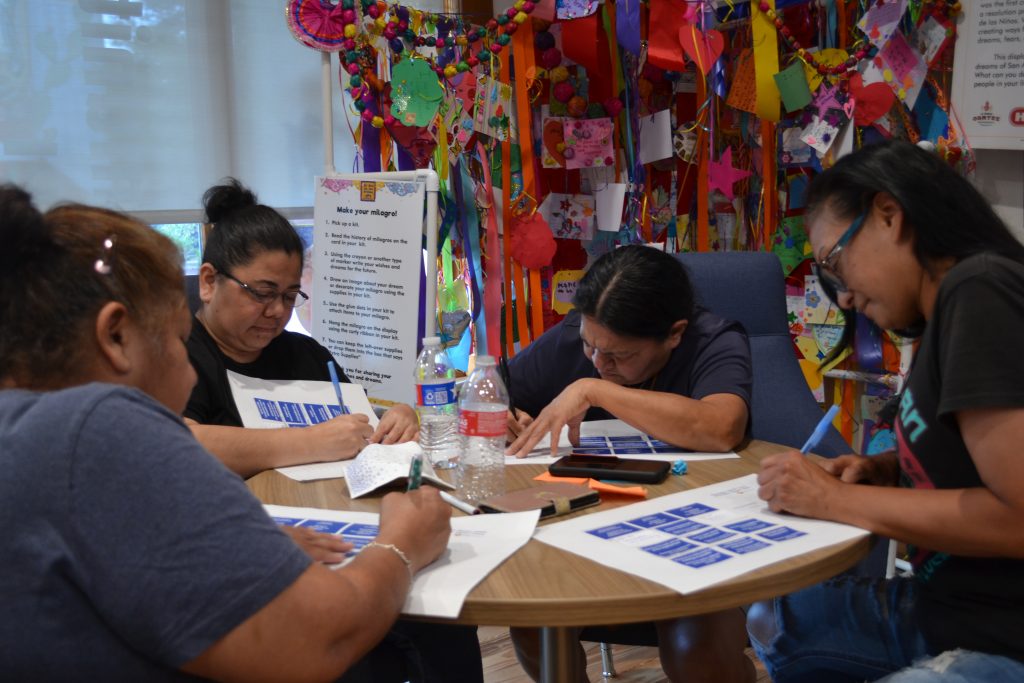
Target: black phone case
{"x": 611, "y": 468}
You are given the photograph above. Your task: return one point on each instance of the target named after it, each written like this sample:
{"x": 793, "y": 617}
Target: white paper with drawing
{"x": 379, "y": 466}
{"x": 478, "y": 544}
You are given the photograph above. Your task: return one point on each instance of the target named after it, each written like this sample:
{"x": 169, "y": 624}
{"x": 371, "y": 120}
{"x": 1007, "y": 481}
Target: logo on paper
{"x": 986, "y": 117}
{"x": 368, "y": 190}
{"x": 1017, "y": 116}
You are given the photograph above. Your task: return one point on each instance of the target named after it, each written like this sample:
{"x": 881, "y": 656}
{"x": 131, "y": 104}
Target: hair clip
{"x": 105, "y": 263}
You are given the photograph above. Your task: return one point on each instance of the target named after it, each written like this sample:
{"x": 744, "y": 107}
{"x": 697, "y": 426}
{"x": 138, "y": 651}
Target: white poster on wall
{"x": 367, "y": 259}
{"x": 988, "y": 73}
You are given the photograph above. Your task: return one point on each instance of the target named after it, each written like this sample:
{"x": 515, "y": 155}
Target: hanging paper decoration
{"x": 722, "y": 176}
{"x": 415, "y": 93}
{"x": 319, "y": 24}
{"x": 685, "y": 143}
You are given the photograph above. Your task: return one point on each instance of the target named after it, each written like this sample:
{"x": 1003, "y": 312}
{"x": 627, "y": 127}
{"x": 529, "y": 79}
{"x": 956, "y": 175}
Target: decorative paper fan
{"x": 317, "y": 24}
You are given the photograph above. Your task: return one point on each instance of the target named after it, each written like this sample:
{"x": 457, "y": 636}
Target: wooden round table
{"x": 545, "y": 587}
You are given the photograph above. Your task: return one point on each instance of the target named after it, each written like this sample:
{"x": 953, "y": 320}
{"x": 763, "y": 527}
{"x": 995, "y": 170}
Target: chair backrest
{"x": 749, "y": 287}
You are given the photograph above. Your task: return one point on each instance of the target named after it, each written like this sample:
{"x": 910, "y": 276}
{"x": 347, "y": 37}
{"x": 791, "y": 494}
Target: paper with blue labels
{"x": 478, "y": 544}
{"x": 691, "y": 540}
{"x": 276, "y": 404}
{"x": 615, "y": 437}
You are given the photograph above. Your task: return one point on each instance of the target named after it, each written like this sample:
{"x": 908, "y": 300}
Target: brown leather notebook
{"x": 553, "y": 498}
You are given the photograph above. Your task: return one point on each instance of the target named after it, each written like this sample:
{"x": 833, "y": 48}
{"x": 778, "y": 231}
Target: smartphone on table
{"x": 610, "y": 467}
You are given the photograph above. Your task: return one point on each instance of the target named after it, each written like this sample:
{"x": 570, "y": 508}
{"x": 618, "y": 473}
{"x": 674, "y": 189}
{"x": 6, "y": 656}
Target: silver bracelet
{"x": 395, "y": 549}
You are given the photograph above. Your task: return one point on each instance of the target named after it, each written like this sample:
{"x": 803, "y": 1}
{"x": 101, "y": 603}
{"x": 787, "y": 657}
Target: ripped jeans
{"x": 854, "y": 629}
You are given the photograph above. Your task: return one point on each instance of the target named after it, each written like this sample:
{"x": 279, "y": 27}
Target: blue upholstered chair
{"x": 749, "y": 287}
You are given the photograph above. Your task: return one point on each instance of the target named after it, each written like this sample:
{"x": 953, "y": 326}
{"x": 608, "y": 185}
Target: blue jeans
{"x": 852, "y": 629}
{"x": 960, "y": 666}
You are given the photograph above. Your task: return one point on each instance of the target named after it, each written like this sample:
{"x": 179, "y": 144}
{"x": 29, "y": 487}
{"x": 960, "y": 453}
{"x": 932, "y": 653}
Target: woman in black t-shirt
{"x": 900, "y": 237}
{"x": 249, "y": 284}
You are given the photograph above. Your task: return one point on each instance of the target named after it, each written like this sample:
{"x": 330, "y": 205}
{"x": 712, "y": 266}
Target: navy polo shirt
{"x": 712, "y": 358}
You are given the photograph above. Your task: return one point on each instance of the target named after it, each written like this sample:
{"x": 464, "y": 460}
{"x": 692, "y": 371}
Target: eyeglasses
{"x": 267, "y": 296}
{"x": 828, "y": 269}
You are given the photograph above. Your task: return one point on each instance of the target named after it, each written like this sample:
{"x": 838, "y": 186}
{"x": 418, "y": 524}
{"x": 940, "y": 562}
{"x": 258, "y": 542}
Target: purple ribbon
{"x": 627, "y": 25}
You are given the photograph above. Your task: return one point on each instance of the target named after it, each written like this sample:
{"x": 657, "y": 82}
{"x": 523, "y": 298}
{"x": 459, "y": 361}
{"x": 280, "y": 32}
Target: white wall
{"x": 1000, "y": 178}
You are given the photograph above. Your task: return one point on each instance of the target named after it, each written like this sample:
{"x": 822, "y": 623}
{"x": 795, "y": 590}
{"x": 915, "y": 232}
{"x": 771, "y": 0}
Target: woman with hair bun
{"x": 249, "y": 283}
{"x": 131, "y": 554}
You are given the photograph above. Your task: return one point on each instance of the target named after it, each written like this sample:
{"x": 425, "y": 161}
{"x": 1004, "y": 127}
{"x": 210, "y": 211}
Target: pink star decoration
{"x": 722, "y": 176}
{"x": 826, "y": 99}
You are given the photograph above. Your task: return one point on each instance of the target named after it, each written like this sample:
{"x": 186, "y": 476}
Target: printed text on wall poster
{"x": 367, "y": 259}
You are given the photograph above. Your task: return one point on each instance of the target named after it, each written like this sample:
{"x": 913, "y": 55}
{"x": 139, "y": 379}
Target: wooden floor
{"x": 633, "y": 664}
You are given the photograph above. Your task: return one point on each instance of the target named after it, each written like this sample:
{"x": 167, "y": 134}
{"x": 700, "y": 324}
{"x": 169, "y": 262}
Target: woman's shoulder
{"x": 989, "y": 270}
{"x": 71, "y": 410}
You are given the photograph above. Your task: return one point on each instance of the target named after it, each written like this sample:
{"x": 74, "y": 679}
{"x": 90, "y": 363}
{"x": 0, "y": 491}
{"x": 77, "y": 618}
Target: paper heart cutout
{"x": 849, "y": 107}
{"x": 873, "y": 100}
{"x": 533, "y": 245}
{"x": 703, "y": 48}
{"x": 417, "y": 140}
{"x": 554, "y": 135}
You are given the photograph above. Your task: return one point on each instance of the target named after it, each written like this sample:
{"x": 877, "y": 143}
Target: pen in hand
{"x": 337, "y": 387}
{"x": 819, "y": 431}
{"x": 415, "y": 472}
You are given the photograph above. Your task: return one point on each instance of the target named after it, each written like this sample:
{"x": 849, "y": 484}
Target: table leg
{"x": 558, "y": 655}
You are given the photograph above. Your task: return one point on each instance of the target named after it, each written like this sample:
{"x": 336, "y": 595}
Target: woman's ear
{"x": 890, "y": 212}
{"x": 675, "y": 333}
{"x": 207, "y": 282}
{"x": 115, "y": 333}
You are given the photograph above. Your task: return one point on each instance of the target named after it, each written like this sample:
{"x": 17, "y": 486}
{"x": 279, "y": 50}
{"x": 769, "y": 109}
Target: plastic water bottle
{"x": 483, "y": 404}
{"x": 436, "y": 405}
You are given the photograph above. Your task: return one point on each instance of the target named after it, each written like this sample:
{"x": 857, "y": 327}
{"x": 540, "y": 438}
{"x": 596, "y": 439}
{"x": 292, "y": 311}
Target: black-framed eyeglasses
{"x": 267, "y": 295}
{"x": 828, "y": 269}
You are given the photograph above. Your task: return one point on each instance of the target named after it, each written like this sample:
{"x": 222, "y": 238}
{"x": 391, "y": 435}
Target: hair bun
{"x": 222, "y": 200}
{"x": 23, "y": 232}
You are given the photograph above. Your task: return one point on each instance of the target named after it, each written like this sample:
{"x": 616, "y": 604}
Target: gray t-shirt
{"x": 127, "y": 550}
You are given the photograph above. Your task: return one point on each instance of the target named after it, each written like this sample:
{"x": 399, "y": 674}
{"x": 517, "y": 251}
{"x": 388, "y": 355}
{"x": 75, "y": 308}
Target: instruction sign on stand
{"x": 366, "y": 260}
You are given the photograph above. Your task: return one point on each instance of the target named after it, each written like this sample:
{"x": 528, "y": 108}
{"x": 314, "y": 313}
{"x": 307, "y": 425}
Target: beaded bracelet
{"x": 395, "y": 549}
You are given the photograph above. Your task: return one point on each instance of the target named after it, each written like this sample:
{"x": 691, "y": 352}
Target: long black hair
{"x": 948, "y": 217}
{"x": 636, "y": 291}
{"x": 243, "y": 228}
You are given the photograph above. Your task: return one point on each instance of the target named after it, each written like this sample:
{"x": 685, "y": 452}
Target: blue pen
{"x": 819, "y": 432}
{"x": 337, "y": 387}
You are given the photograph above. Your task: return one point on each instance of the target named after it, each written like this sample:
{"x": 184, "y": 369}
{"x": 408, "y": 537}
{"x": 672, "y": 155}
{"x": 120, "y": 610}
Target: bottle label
{"x": 435, "y": 394}
{"x": 473, "y": 423}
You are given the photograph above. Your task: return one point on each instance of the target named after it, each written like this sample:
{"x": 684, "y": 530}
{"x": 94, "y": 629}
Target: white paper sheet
{"x": 691, "y": 540}
{"x": 609, "y": 199}
{"x": 615, "y": 437}
{"x": 478, "y": 544}
{"x": 378, "y": 465}
{"x": 275, "y": 404}
{"x": 541, "y": 453}
{"x": 656, "y": 137}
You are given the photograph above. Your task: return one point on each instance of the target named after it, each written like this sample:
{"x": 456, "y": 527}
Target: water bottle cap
{"x": 485, "y": 360}
{"x": 431, "y": 341}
